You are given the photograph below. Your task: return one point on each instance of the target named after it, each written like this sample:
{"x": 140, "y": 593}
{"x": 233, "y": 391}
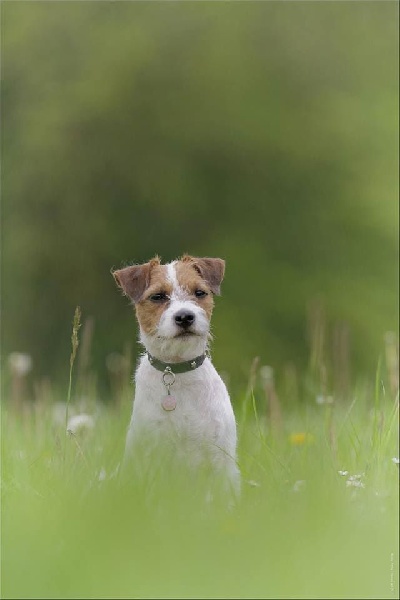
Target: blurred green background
{"x": 265, "y": 133}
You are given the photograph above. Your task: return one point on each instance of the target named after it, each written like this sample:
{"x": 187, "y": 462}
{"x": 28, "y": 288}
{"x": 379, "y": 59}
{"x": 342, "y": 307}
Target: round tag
{"x": 168, "y": 402}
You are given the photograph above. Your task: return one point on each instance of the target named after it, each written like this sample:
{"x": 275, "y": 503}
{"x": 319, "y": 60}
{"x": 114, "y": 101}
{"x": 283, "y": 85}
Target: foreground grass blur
{"x": 318, "y": 515}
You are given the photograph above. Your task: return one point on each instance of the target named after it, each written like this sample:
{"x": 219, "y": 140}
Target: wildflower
{"x": 253, "y": 483}
{"x": 78, "y": 423}
{"x": 343, "y": 473}
{"x": 20, "y": 364}
{"x": 102, "y": 474}
{"x": 355, "y": 481}
{"x": 395, "y": 460}
{"x": 300, "y": 439}
{"x": 267, "y": 374}
{"x": 321, "y": 399}
{"x": 299, "y": 485}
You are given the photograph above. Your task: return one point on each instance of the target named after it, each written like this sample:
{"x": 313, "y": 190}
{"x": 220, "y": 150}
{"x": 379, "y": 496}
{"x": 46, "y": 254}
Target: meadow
{"x": 265, "y": 133}
{"x": 317, "y": 517}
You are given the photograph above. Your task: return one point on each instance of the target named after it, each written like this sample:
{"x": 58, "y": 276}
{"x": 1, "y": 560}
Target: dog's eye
{"x": 200, "y": 293}
{"x": 161, "y": 297}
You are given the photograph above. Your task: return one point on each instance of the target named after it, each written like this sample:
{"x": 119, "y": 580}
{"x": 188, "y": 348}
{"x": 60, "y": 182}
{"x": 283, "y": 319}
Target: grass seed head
{"x": 74, "y": 338}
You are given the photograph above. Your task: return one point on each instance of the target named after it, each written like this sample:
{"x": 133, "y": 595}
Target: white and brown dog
{"x": 181, "y": 403}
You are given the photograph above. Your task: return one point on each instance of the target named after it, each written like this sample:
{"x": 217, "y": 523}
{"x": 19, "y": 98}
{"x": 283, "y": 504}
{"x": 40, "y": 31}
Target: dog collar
{"x": 169, "y": 370}
{"x": 181, "y": 367}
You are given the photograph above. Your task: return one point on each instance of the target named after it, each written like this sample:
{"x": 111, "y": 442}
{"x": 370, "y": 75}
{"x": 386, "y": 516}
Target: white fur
{"x": 201, "y": 431}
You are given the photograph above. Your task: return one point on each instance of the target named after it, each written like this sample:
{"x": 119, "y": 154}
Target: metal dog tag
{"x": 168, "y": 402}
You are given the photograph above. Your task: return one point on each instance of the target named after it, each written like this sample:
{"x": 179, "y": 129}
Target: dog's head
{"x": 174, "y": 303}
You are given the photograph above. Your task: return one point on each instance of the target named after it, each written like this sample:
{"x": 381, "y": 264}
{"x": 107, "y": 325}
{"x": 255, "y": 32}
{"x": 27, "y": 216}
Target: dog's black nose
{"x": 184, "y": 319}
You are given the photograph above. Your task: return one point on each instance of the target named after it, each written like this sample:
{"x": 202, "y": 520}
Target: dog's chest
{"x": 202, "y": 405}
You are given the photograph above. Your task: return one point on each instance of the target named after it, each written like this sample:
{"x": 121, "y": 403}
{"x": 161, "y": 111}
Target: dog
{"x": 181, "y": 407}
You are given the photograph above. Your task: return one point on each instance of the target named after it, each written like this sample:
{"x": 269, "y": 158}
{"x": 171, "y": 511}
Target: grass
{"x": 318, "y": 516}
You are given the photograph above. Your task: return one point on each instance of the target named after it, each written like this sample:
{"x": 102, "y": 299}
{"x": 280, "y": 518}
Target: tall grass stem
{"x": 74, "y": 343}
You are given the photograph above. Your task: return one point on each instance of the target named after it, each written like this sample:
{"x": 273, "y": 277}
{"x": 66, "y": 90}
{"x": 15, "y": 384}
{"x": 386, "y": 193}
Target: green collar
{"x": 181, "y": 367}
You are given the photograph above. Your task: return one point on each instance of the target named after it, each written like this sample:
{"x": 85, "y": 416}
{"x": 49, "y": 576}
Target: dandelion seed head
{"x": 20, "y": 363}
{"x": 79, "y": 423}
{"x": 267, "y": 374}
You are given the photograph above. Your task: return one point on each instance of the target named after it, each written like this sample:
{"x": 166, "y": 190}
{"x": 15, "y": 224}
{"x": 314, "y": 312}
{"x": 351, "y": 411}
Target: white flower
{"x": 343, "y": 473}
{"x": 102, "y": 474}
{"x": 321, "y": 399}
{"x": 267, "y": 374}
{"x": 355, "y": 481}
{"x": 20, "y": 364}
{"x": 396, "y": 461}
{"x": 78, "y": 423}
{"x": 299, "y": 485}
{"x": 253, "y": 483}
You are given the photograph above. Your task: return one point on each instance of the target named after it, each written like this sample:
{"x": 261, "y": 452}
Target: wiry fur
{"x": 201, "y": 431}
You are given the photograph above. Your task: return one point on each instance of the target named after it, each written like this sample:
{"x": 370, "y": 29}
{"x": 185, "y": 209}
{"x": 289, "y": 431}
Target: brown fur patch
{"x": 211, "y": 269}
{"x": 190, "y": 280}
{"x": 148, "y": 312}
{"x": 135, "y": 279}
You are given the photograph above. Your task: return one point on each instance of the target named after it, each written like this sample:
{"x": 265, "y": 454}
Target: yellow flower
{"x": 300, "y": 439}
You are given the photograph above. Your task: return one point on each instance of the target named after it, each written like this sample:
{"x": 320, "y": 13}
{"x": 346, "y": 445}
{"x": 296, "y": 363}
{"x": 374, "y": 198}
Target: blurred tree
{"x": 265, "y": 133}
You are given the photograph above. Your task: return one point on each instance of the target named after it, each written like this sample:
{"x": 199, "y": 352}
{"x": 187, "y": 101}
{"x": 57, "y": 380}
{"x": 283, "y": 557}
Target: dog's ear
{"x": 212, "y": 270}
{"x": 135, "y": 280}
